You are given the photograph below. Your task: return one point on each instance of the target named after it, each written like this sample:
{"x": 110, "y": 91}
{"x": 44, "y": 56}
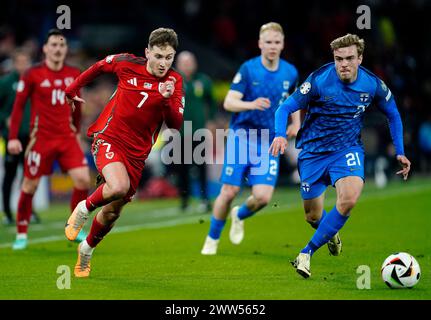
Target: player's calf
{"x": 261, "y": 201}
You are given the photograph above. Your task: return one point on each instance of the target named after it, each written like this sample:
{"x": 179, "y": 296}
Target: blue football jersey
{"x": 335, "y": 109}
{"x": 253, "y": 80}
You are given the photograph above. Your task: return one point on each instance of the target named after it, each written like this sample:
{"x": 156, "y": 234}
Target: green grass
{"x": 154, "y": 252}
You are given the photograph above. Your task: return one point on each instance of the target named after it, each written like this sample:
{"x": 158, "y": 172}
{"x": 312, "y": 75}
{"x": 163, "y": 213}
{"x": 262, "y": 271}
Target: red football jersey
{"x": 51, "y": 116}
{"x": 134, "y": 115}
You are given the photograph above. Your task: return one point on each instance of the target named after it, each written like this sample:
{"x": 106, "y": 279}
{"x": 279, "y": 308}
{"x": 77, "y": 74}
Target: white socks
{"x": 20, "y": 236}
{"x": 85, "y": 248}
{"x": 83, "y": 207}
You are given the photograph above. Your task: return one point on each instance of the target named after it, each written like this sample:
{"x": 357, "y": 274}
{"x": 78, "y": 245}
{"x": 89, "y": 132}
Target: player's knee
{"x": 118, "y": 193}
{"x": 82, "y": 182}
{"x": 119, "y": 190}
{"x": 228, "y": 193}
{"x": 29, "y": 186}
{"x": 346, "y": 204}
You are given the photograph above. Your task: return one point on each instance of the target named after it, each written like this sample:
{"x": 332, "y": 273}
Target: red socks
{"x": 96, "y": 200}
{"x": 77, "y": 196}
{"x": 24, "y": 212}
{"x": 97, "y": 232}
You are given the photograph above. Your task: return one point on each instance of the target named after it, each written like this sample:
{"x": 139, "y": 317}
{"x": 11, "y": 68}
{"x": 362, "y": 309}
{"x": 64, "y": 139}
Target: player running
{"x": 259, "y": 86}
{"x": 336, "y": 97}
{"x": 148, "y": 93}
{"x": 54, "y": 133}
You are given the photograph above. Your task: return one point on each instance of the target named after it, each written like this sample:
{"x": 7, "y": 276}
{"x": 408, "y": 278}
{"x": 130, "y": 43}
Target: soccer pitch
{"x": 154, "y": 252}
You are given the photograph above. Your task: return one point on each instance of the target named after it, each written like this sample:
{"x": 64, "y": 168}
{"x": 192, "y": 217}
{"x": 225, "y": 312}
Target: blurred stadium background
{"x": 223, "y": 34}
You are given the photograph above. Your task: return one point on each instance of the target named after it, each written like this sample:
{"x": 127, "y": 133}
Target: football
{"x": 401, "y": 270}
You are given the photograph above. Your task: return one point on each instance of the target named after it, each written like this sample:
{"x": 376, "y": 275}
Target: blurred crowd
{"x": 391, "y": 52}
{"x": 227, "y": 31}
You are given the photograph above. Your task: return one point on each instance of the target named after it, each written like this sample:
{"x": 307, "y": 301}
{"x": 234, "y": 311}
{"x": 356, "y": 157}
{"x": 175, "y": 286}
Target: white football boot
{"x": 76, "y": 221}
{"x": 236, "y": 233}
{"x": 302, "y": 264}
{"x": 335, "y": 245}
{"x": 83, "y": 265}
{"x": 210, "y": 246}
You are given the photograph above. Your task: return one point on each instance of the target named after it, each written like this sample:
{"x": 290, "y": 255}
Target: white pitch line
{"x": 122, "y": 229}
{"x": 190, "y": 219}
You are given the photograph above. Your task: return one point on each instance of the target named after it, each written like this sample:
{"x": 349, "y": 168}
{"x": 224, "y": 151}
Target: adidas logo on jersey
{"x": 45, "y": 84}
{"x": 133, "y": 81}
{"x": 68, "y": 80}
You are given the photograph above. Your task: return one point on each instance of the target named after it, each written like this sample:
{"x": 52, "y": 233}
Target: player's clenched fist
{"x": 261, "y": 104}
{"x": 14, "y": 146}
{"x": 279, "y": 144}
{"x": 167, "y": 88}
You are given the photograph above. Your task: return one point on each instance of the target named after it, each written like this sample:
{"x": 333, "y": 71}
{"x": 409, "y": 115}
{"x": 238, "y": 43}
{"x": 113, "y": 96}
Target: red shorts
{"x": 42, "y": 152}
{"x": 105, "y": 153}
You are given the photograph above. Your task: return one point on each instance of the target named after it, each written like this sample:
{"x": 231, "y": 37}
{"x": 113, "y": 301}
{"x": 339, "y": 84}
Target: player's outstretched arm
{"x": 295, "y": 125}
{"x": 233, "y": 102}
{"x": 389, "y": 108}
{"x": 107, "y": 65}
{"x": 288, "y": 107}
{"x": 23, "y": 91}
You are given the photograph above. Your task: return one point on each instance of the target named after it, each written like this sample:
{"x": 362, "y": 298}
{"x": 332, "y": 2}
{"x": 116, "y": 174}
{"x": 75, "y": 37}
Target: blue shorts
{"x": 248, "y": 161}
{"x": 321, "y": 170}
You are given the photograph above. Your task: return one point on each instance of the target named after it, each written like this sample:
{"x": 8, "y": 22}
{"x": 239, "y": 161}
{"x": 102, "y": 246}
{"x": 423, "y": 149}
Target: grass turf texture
{"x": 154, "y": 252}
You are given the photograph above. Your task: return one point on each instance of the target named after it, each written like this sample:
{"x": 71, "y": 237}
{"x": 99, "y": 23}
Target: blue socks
{"x": 216, "y": 228}
{"x": 244, "y": 212}
{"x": 327, "y": 228}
